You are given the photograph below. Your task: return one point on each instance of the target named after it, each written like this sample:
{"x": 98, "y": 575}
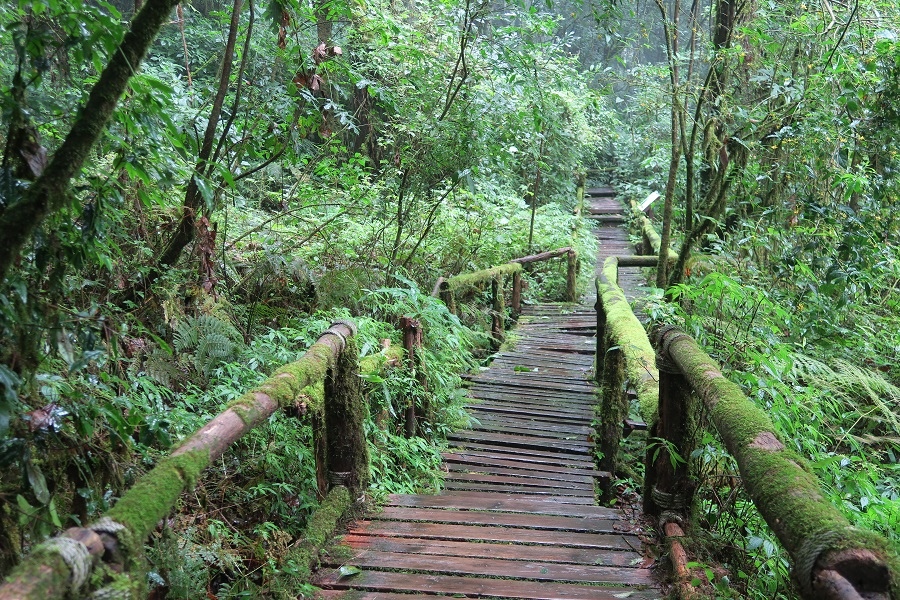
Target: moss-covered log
{"x": 649, "y": 233}
{"x": 628, "y": 333}
{"x": 57, "y": 568}
{"x": 831, "y": 558}
{"x": 624, "y": 359}
{"x": 542, "y": 256}
{"x": 468, "y": 280}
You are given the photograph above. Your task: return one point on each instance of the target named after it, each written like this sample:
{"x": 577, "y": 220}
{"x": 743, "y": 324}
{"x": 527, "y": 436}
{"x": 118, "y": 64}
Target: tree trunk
{"x": 49, "y": 193}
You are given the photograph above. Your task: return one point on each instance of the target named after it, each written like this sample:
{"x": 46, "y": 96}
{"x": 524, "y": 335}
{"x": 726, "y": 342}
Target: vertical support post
{"x": 348, "y": 454}
{"x": 667, "y": 487}
{"x": 613, "y": 409}
{"x": 516, "y": 295}
{"x": 448, "y": 297}
{"x": 412, "y": 341}
{"x": 498, "y": 310}
{"x": 646, "y": 246}
{"x": 571, "y": 272}
{"x": 579, "y": 193}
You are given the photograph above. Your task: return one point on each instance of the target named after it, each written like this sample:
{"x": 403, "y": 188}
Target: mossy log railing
{"x": 447, "y": 289}
{"x": 832, "y": 559}
{"x": 624, "y": 361}
{"x": 108, "y": 555}
{"x": 650, "y": 238}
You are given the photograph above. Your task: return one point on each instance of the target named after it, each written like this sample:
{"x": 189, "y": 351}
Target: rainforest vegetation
{"x": 172, "y": 232}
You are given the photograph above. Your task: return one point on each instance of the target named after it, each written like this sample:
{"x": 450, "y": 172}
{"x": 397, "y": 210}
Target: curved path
{"x": 517, "y": 517}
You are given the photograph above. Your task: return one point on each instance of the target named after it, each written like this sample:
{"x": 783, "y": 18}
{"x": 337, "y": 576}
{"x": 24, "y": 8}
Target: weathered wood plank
{"x": 477, "y": 459}
{"x": 560, "y": 495}
{"x": 488, "y": 567}
{"x": 579, "y": 556}
{"x": 571, "y": 488}
{"x": 455, "y": 469}
{"x": 494, "y": 518}
{"x": 478, "y": 587}
{"x": 538, "y": 505}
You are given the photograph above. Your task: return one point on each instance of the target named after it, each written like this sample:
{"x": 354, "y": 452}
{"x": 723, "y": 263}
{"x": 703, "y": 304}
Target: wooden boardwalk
{"x": 517, "y": 516}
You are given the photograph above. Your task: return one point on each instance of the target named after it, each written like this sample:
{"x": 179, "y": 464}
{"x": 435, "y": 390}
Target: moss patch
{"x": 319, "y": 530}
{"x": 778, "y": 480}
{"x": 154, "y": 495}
{"x": 480, "y": 277}
{"x": 626, "y": 332}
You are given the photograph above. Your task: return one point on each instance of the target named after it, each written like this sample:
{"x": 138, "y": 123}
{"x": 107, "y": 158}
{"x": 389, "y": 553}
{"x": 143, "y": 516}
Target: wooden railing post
{"x": 447, "y": 296}
{"x": 412, "y": 341}
{"x": 345, "y": 411}
{"x": 646, "y": 246}
{"x": 498, "y": 310}
{"x": 516, "y": 299}
{"x": 610, "y": 374}
{"x": 571, "y": 273}
{"x": 666, "y": 483}
{"x": 579, "y": 193}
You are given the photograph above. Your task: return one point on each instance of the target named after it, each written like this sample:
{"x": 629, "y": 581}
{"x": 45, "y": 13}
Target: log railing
{"x": 448, "y": 289}
{"x": 832, "y": 559}
{"x": 108, "y": 555}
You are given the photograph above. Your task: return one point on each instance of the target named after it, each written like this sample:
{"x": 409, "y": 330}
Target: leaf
{"x": 38, "y": 482}
{"x": 348, "y": 571}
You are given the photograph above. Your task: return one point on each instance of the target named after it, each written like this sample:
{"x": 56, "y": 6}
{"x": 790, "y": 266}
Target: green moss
{"x": 485, "y": 276}
{"x": 44, "y": 565}
{"x": 628, "y": 334}
{"x": 374, "y": 363}
{"x": 778, "y": 480}
{"x": 154, "y": 495}
{"x": 321, "y": 527}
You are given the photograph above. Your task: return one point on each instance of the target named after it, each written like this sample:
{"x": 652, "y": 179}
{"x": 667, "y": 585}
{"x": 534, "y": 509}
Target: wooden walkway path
{"x": 517, "y": 517}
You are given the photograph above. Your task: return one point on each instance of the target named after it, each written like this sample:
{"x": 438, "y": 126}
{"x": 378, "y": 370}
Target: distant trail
{"x": 517, "y": 516}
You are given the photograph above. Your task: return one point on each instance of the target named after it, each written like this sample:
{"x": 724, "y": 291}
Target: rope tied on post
{"x": 77, "y": 557}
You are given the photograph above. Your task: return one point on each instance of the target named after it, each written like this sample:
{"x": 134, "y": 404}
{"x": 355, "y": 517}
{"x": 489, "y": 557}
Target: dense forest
{"x": 190, "y": 193}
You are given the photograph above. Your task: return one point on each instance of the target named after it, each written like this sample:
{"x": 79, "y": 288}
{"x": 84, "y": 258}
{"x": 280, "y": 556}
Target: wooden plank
{"x": 478, "y": 586}
{"x": 571, "y": 488}
{"x": 528, "y": 420}
{"x": 578, "y": 403}
{"x": 586, "y": 389}
{"x": 517, "y": 535}
{"x": 579, "y": 556}
{"x": 499, "y": 409}
{"x": 537, "y": 505}
{"x": 533, "y": 430}
{"x": 566, "y": 496}
{"x": 485, "y": 459}
{"x": 503, "y": 451}
{"x": 471, "y": 517}
{"x": 520, "y": 441}
{"x": 455, "y": 469}
{"x": 488, "y": 567}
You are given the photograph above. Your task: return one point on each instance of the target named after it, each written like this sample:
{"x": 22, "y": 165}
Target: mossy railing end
{"x": 832, "y": 559}
{"x": 650, "y": 238}
{"x": 112, "y": 548}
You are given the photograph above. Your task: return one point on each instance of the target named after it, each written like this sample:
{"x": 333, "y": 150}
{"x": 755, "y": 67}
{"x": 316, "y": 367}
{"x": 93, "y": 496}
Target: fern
{"x": 862, "y": 391}
{"x": 206, "y": 342}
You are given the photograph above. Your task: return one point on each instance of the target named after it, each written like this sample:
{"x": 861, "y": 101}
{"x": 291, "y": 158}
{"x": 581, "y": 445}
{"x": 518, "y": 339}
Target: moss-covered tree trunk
{"x": 50, "y": 192}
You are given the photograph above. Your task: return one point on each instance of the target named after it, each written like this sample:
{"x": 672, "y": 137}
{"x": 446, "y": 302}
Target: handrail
{"x": 650, "y": 238}
{"x": 446, "y": 288}
{"x": 624, "y": 359}
{"x": 832, "y": 559}
{"x": 324, "y": 379}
